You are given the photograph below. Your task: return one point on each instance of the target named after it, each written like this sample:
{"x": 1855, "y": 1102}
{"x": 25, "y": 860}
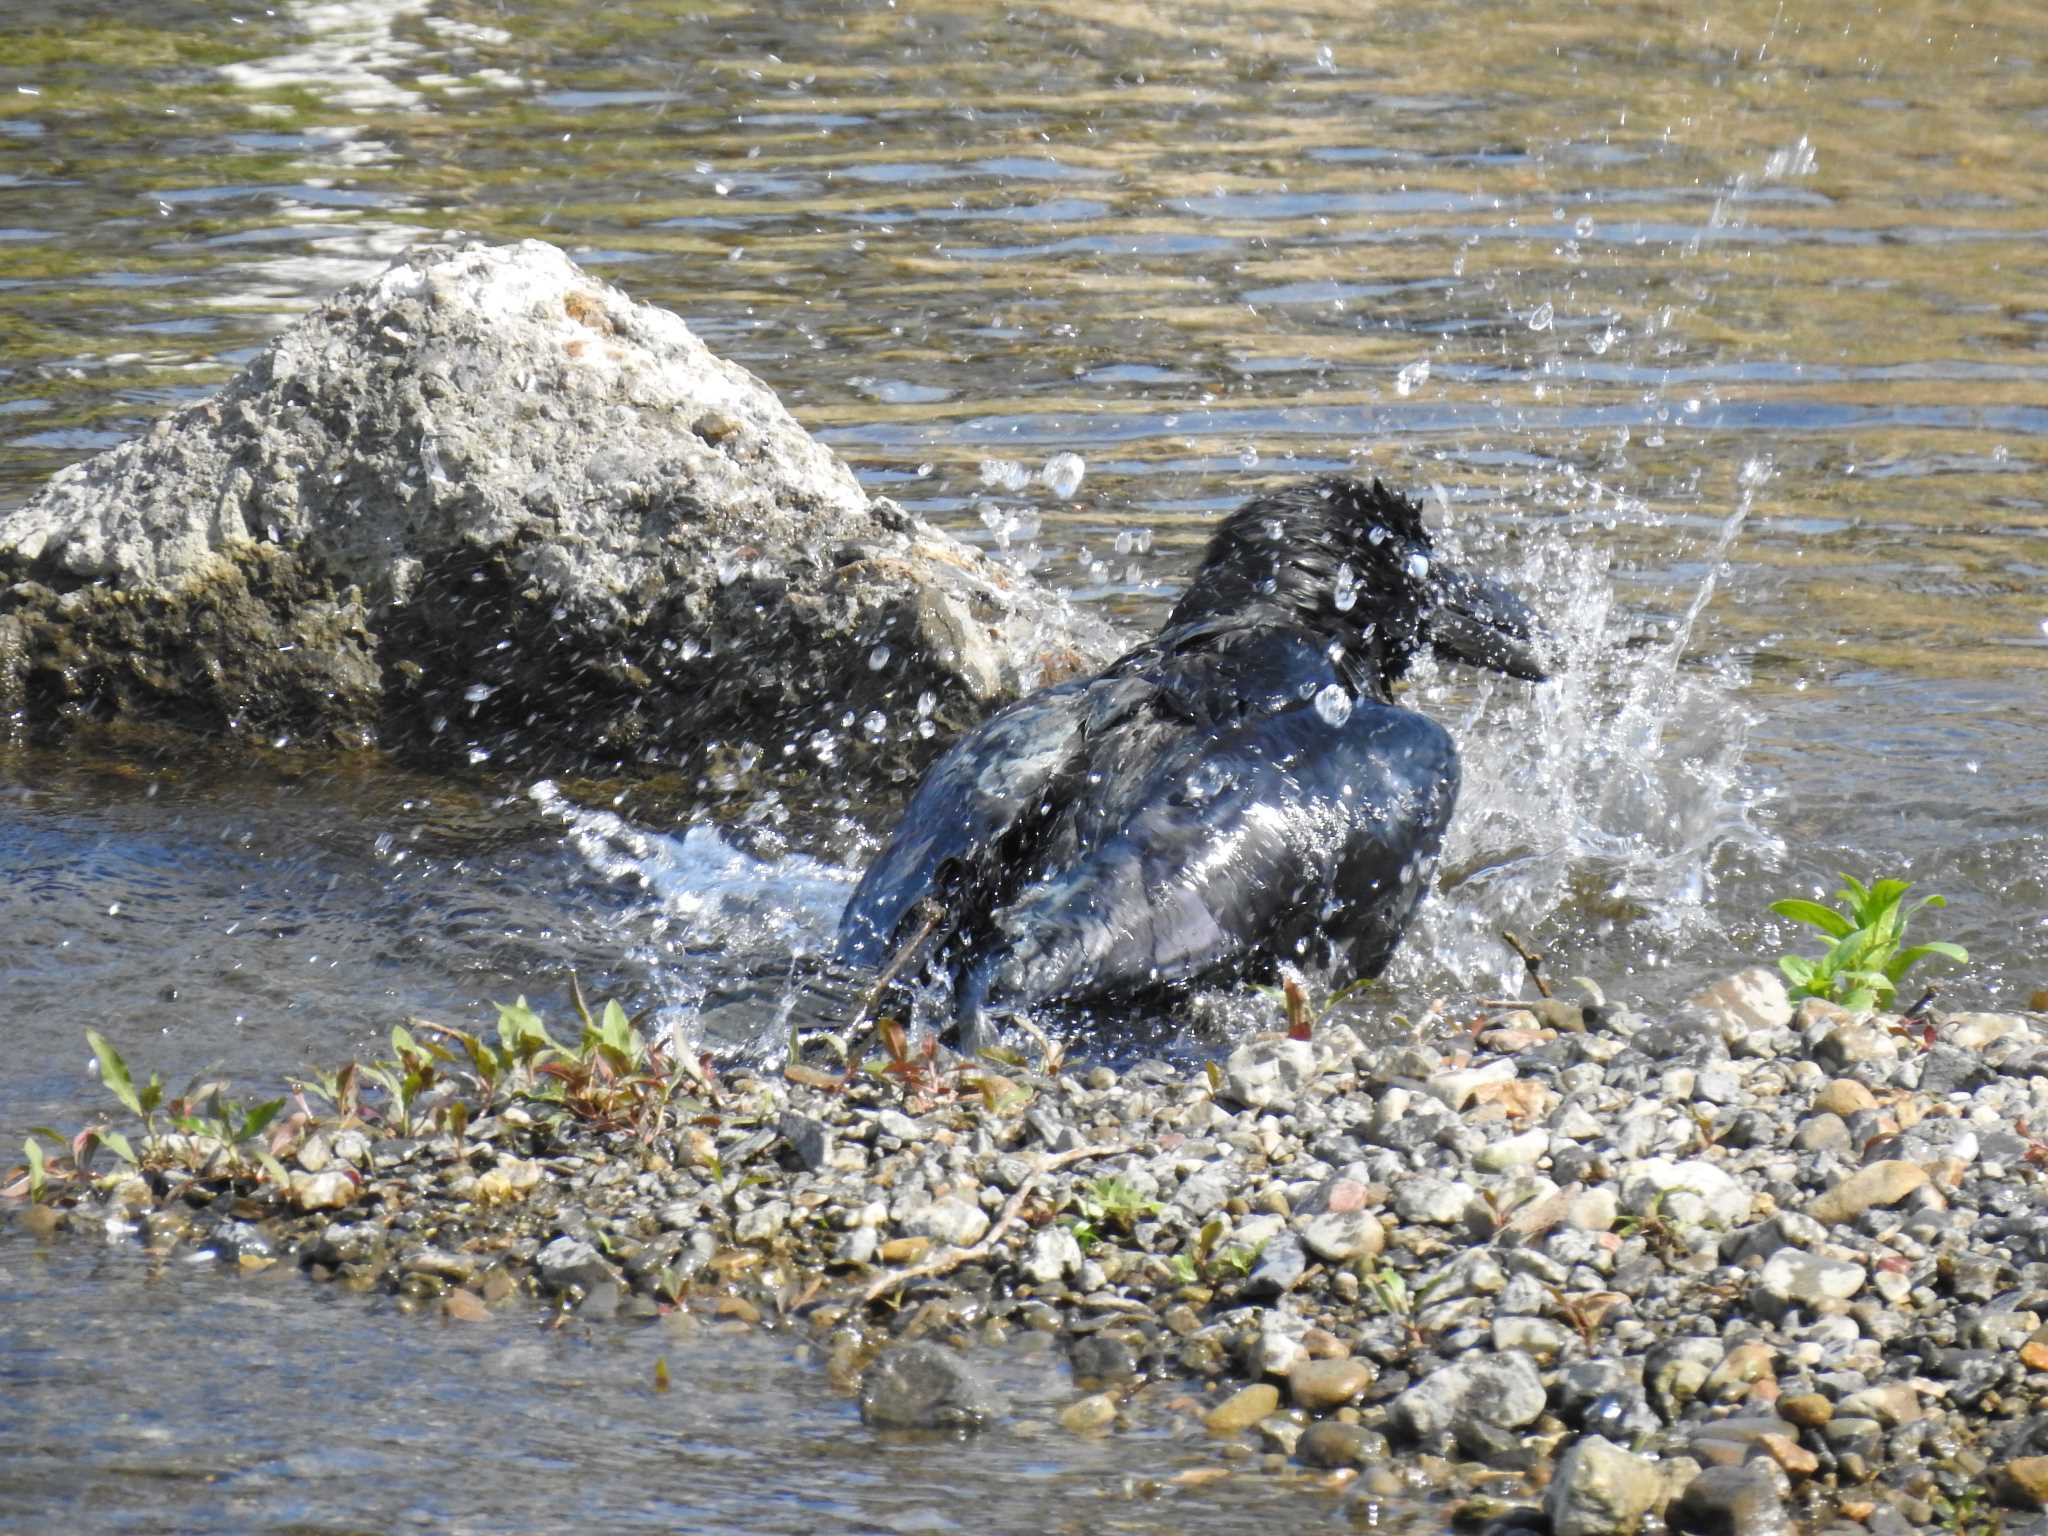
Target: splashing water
{"x": 724, "y": 936}
{"x": 1598, "y": 805}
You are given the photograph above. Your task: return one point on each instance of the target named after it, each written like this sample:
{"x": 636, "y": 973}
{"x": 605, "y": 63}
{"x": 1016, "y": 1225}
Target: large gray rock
{"x": 488, "y": 506}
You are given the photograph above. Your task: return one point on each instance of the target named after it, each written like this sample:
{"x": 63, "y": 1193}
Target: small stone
{"x": 1339, "y": 1237}
{"x": 1512, "y": 1153}
{"x": 1535, "y": 1336}
{"x": 1320, "y": 1385}
{"x": 1849, "y": 1045}
{"x": 1268, "y": 1071}
{"x": 1280, "y": 1433}
{"x": 926, "y": 1386}
{"x": 508, "y": 1179}
{"x": 1655, "y": 1181}
{"x": 40, "y": 1221}
{"x": 1844, "y": 1096}
{"x": 2023, "y": 1482}
{"x": 906, "y": 1250}
{"x": 1243, "y": 1409}
{"x": 1822, "y": 1133}
{"x": 1891, "y": 1404}
{"x": 1089, "y": 1415}
{"x": 1439, "y": 1202}
{"x": 811, "y": 1140}
{"x": 1974, "y": 1031}
{"x": 1281, "y": 1264}
{"x": 1599, "y": 1489}
{"x": 1593, "y": 1210}
{"x": 1729, "y": 1501}
{"x": 951, "y": 1220}
{"x": 1788, "y": 1453}
{"x": 328, "y": 1191}
{"x": 1503, "y": 1390}
{"x": 1332, "y": 1443}
{"x": 1809, "y": 1410}
{"x": 2034, "y": 1353}
{"x": 1744, "y": 1003}
{"x": 1880, "y": 1184}
{"x": 1457, "y": 1088}
{"x": 1054, "y": 1254}
{"x": 1794, "y": 1279}
{"x": 569, "y": 1265}
{"x": 763, "y": 1222}
{"x": 1741, "y": 1366}
{"x": 464, "y": 1307}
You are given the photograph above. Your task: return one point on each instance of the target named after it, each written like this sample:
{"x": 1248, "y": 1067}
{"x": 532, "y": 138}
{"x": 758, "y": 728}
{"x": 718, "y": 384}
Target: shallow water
{"x": 1727, "y": 311}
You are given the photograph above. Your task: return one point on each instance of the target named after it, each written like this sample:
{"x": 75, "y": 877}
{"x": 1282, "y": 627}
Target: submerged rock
{"x": 489, "y": 508}
{"x": 926, "y": 1386}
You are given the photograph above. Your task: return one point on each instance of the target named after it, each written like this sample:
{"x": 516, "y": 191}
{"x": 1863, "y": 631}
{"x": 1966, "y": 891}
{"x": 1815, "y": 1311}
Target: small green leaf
{"x": 118, "y": 1144}
{"x": 1814, "y": 915}
{"x": 1859, "y": 1000}
{"x": 1906, "y": 959}
{"x": 259, "y": 1117}
{"x": 273, "y": 1168}
{"x": 33, "y": 1150}
{"x": 1797, "y": 968}
{"x": 114, "y": 1071}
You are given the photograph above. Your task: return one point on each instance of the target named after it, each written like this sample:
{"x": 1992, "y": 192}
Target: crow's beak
{"x": 1482, "y": 623}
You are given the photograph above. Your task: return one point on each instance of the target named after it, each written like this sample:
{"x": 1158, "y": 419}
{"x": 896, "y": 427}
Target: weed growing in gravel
{"x": 614, "y": 1078}
{"x": 1868, "y": 959}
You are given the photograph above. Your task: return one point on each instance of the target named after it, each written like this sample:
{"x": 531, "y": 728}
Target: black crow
{"x": 1238, "y": 792}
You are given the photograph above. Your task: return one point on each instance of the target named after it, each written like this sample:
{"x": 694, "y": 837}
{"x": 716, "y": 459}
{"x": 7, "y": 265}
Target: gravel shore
{"x": 1742, "y": 1268}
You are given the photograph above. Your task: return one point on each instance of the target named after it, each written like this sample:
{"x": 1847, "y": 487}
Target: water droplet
{"x": 878, "y": 658}
{"x": 1333, "y": 704}
{"x": 1541, "y": 316}
{"x": 926, "y": 703}
{"x": 729, "y": 567}
{"x": 476, "y": 693}
{"x": 1412, "y": 377}
{"x": 1583, "y": 226}
{"x": 114, "y": 910}
{"x": 1062, "y": 474}
{"x": 1345, "y": 593}
{"x": 1249, "y": 456}
{"x": 1377, "y": 536}
{"x": 874, "y": 722}
{"x": 1326, "y": 57}
{"x": 1417, "y": 566}
{"x": 1004, "y": 475}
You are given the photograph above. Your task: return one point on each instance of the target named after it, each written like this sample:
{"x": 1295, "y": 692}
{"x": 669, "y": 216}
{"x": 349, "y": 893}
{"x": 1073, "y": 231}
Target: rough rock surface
{"x": 926, "y": 1386}
{"x": 487, "y": 506}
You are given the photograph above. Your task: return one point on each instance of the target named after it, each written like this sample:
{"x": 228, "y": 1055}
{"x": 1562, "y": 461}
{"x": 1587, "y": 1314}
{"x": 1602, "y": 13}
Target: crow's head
{"x": 1353, "y": 561}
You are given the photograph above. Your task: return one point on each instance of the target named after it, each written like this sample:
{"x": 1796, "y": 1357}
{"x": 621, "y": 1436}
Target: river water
{"x": 1725, "y": 331}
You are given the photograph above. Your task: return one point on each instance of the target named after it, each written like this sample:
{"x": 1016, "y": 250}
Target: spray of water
{"x": 1596, "y": 806}
{"x": 721, "y": 936}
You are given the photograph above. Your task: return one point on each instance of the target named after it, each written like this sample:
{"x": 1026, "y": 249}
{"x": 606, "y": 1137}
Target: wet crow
{"x": 1237, "y": 792}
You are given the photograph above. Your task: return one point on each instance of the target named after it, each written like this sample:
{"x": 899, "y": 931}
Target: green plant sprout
{"x": 1867, "y": 960}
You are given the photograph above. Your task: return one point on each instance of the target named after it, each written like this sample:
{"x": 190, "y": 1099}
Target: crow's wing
{"x": 975, "y": 805}
{"x": 1278, "y": 838}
